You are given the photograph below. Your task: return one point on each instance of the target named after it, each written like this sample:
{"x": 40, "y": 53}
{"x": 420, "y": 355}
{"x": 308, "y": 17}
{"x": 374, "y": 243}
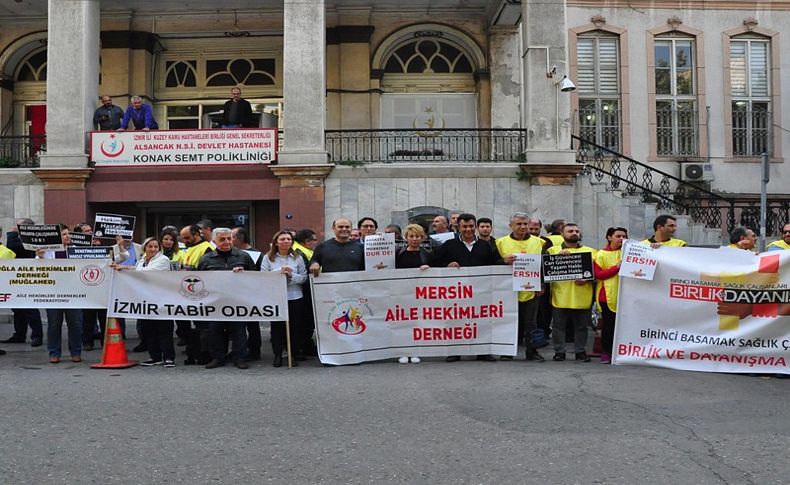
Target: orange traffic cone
{"x": 113, "y": 354}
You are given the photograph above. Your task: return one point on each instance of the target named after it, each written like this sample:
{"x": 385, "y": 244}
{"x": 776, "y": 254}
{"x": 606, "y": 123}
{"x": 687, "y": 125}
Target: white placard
{"x": 639, "y": 261}
{"x": 380, "y": 251}
{"x": 443, "y": 237}
{"x": 54, "y": 283}
{"x": 527, "y": 272}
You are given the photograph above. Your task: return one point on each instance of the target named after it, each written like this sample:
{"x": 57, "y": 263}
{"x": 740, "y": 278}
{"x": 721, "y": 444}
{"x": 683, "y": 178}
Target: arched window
{"x": 33, "y": 67}
{"x": 428, "y": 56}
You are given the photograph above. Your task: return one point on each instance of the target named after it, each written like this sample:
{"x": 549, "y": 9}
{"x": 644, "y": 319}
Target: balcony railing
{"x": 676, "y": 132}
{"x": 751, "y": 133}
{"x": 354, "y": 147}
{"x": 21, "y": 151}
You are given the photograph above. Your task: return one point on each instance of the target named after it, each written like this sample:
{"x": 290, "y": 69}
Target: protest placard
{"x": 41, "y": 236}
{"x": 638, "y": 261}
{"x": 91, "y": 252}
{"x": 54, "y": 283}
{"x": 526, "y": 272}
{"x": 107, "y": 226}
{"x": 380, "y": 251}
{"x": 566, "y": 267}
{"x": 81, "y": 239}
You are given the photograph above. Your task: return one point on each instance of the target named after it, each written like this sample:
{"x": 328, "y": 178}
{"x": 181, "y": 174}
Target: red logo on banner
{"x": 350, "y": 322}
{"x": 92, "y": 275}
{"x": 111, "y": 148}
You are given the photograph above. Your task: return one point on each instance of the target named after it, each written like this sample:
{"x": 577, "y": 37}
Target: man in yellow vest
{"x": 571, "y": 300}
{"x": 196, "y": 246}
{"x": 664, "y": 228}
{"x": 520, "y": 241}
{"x": 783, "y": 243}
{"x": 742, "y": 238}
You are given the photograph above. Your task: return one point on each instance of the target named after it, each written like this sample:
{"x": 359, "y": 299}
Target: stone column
{"x": 304, "y": 83}
{"x": 546, "y": 111}
{"x": 505, "y": 77}
{"x": 72, "y": 80}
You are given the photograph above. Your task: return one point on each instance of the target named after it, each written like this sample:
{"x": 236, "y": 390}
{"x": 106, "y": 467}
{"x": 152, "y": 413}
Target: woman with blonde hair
{"x": 412, "y": 256}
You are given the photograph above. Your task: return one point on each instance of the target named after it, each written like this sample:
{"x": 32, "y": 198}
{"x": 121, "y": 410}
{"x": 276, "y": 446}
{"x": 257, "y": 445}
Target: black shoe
{"x": 151, "y": 362}
{"x": 240, "y": 364}
{"x": 505, "y": 357}
{"x": 278, "y": 361}
{"x": 558, "y": 357}
{"x": 13, "y": 340}
{"x": 181, "y": 342}
{"x": 452, "y": 358}
{"x": 486, "y": 358}
{"x": 36, "y": 343}
{"x": 140, "y": 348}
{"x": 254, "y": 356}
{"x": 215, "y": 363}
{"x": 582, "y": 356}
{"x": 86, "y": 347}
{"x": 534, "y": 355}
{"x": 2, "y": 352}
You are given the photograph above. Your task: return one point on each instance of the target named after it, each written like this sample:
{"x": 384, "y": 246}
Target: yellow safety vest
{"x": 567, "y": 294}
{"x": 781, "y": 244}
{"x": 194, "y": 253}
{"x": 506, "y": 246}
{"x": 556, "y": 239}
{"x": 308, "y": 253}
{"x": 674, "y": 243}
{"x": 6, "y": 253}
{"x": 607, "y": 259}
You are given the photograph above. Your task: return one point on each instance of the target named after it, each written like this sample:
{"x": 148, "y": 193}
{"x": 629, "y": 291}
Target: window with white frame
{"x": 198, "y": 115}
{"x": 750, "y": 92}
{"x": 676, "y": 97}
{"x": 598, "y": 85}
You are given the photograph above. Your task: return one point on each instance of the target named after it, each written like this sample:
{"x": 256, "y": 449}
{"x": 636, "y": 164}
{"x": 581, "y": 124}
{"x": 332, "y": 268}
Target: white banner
{"x": 714, "y": 310}
{"x": 184, "y": 147}
{"x": 385, "y": 314}
{"x": 54, "y": 283}
{"x": 199, "y": 295}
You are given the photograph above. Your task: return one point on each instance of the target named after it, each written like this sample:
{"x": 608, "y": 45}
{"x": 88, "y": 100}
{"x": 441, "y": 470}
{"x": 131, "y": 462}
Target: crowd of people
{"x": 560, "y": 311}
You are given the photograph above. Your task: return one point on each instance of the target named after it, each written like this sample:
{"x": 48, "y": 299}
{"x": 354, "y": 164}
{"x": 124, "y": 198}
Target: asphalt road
{"x": 434, "y": 422}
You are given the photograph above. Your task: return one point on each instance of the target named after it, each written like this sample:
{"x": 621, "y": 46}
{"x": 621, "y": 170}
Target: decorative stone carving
{"x": 598, "y": 21}
{"x": 750, "y": 23}
{"x": 674, "y": 22}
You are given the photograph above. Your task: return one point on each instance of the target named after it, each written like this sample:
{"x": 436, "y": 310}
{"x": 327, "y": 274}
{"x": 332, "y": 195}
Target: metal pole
{"x": 766, "y": 177}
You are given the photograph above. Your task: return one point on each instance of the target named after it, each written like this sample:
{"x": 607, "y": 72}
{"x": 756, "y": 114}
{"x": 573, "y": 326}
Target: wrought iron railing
{"x": 21, "y": 151}
{"x": 676, "y": 132}
{"x": 602, "y": 125}
{"x": 751, "y": 133}
{"x": 354, "y": 147}
{"x": 747, "y": 214}
{"x": 652, "y": 185}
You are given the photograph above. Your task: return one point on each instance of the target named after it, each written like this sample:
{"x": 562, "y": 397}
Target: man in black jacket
{"x": 107, "y": 116}
{"x": 24, "y": 317}
{"x": 225, "y": 258}
{"x": 467, "y": 250}
{"x": 237, "y": 112}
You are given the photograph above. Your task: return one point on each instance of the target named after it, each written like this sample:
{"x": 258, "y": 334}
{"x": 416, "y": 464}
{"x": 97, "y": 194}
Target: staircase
{"x": 621, "y": 191}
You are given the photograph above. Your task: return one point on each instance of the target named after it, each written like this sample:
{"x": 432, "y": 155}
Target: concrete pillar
{"x": 304, "y": 83}
{"x": 505, "y": 77}
{"x": 72, "y": 80}
{"x": 546, "y": 110}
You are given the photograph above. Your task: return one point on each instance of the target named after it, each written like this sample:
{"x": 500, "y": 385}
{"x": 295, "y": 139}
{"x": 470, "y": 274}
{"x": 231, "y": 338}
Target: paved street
{"x": 468, "y": 422}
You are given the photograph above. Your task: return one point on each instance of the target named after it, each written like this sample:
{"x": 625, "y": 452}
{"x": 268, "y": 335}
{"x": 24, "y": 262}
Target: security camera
{"x": 566, "y": 85}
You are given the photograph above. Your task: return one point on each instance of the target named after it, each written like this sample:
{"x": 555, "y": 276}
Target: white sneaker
{"x": 415, "y": 360}
{"x": 403, "y": 360}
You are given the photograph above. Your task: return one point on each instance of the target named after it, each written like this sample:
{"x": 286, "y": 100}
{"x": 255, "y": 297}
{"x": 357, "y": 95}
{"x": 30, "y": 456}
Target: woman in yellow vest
{"x": 168, "y": 240}
{"x": 607, "y": 265}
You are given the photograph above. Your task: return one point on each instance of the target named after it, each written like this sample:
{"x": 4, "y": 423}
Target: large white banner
{"x": 54, "y": 283}
{"x": 385, "y": 314}
{"x": 199, "y": 295}
{"x": 715, "y": 310}
{"x": 184, "y": 147}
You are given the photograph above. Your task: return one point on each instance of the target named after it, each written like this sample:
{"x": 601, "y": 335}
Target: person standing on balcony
{"x": 141, "y": 115}
{"x": 107, "y": 116}
{"x": 24, "y": 317}
{"x": 664, "y": 228}
{"x": 783, "y": 243}
{"x": 237, "y": 112}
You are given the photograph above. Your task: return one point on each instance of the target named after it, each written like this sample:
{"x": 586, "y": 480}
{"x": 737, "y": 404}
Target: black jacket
{"x": 482, "y": 254}
{"x": 14, "y": 243}
{"x": 216, "y": 261}
{"x": 244, "y": 114}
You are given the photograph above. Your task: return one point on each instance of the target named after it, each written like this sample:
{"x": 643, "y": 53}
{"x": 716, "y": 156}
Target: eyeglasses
{"x": 785, "y": 232}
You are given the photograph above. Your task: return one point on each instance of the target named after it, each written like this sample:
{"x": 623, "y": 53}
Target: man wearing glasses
{"x": 783, "y": 243}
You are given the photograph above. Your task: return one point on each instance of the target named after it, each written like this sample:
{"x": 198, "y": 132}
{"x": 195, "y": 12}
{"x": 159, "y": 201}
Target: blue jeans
{"x": 55, "y": 327}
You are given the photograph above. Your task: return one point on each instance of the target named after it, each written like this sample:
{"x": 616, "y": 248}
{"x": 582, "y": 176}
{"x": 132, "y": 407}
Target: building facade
{"x": 404, "y": 110}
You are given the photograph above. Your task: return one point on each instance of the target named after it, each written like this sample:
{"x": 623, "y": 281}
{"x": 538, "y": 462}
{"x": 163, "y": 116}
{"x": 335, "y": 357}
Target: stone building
{"x": 403, "y": 110}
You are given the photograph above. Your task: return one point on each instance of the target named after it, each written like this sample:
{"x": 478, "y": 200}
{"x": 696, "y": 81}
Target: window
{"x": 676, "y": 99}
{"x": 428, "y": 56}
{"x": 209, "y": 115}
{"x": 34, "y": 68}
{"x": 599, "y": 90}
{"x": 750, "y": 92}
